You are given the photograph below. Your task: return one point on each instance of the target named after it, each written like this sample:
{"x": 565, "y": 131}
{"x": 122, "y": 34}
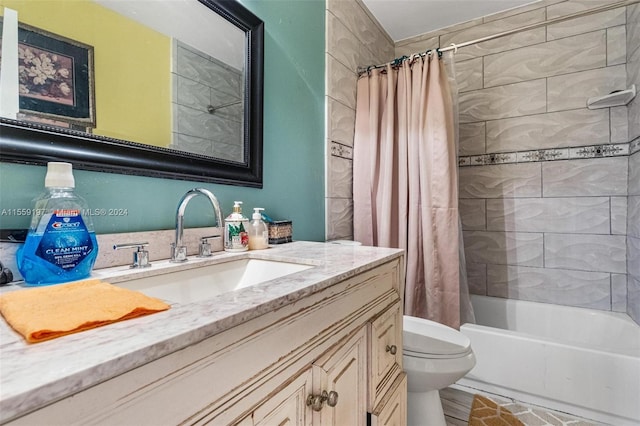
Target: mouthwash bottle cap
{"x": 256, "y": 213}
{"x": 59, "y": 175}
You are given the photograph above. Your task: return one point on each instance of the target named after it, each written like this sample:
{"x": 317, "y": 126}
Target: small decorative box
{"x": 280, "y": 231}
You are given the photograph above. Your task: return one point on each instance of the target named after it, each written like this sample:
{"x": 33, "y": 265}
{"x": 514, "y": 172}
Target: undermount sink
{"x": 205, "y": 282}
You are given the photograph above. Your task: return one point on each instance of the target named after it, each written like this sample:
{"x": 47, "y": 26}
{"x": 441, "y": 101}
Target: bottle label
{"x": 65, "y": 241}
{"x": 237, "y": 236}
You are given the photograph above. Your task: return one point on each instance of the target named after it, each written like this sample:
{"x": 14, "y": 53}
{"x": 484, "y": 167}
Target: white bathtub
{"x": 579, "y": 361}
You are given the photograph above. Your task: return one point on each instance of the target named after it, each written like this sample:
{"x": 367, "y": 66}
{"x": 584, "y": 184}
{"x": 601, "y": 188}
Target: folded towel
{"x": 48, "y": 312}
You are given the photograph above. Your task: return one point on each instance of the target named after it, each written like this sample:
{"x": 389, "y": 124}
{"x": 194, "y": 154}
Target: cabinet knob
{"x": 393, "y": 349}
{"x": 332, "y": 398}
{"x": 316, "y": 402}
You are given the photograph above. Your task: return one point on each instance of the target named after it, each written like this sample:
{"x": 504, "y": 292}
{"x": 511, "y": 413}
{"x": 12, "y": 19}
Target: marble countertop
{"x": 34, "y": 375}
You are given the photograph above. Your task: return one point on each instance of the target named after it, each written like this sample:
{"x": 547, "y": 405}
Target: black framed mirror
{"x": 37, "y": 141}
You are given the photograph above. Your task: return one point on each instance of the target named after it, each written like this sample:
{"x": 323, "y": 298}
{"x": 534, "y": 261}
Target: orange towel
{"x": 48, "y": 312}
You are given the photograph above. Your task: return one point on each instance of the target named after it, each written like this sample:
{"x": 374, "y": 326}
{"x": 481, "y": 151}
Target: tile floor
{"x": 456, "y": 404}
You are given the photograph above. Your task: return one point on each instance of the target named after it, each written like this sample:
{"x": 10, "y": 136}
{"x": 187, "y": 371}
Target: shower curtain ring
{"x": 455, "y": 48}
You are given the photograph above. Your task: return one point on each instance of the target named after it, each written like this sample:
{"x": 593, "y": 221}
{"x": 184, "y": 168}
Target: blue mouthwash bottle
{"x": 61, "y": 244}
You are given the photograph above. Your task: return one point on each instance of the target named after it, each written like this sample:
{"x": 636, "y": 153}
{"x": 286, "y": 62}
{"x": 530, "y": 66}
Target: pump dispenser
{"x": 258, "y": 231}
{"x": 236, "y": 237}
{"x": 61, "y": 244}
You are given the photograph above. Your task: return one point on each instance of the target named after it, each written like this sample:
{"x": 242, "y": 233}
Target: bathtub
{"x": 575, "y": 360}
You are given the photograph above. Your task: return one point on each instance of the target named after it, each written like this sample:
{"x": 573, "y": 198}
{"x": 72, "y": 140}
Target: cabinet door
{"x": 386, "y": 352}
{"x": 287, "y": 407}
{"x": 343, "y": 371}
{"x": 392, "y": 410}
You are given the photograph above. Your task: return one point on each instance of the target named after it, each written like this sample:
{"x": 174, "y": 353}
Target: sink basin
{"x": 205, "y": 282}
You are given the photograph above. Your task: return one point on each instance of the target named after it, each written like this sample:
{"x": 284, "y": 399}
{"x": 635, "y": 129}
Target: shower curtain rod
{"x": 456, "y": 46}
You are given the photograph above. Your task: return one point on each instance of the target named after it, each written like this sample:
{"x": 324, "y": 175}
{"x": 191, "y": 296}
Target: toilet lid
{"x": 429, "y": 337}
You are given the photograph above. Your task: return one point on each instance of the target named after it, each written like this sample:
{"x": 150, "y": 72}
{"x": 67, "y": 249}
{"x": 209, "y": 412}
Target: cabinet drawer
{"x": 386, "y": 352}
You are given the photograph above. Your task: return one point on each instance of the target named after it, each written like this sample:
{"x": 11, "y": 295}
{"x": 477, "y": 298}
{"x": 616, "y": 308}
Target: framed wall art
{"x": 56, "y": 78}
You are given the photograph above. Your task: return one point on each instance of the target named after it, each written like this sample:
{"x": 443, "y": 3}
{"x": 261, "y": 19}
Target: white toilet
{"x": 434, "y": 357}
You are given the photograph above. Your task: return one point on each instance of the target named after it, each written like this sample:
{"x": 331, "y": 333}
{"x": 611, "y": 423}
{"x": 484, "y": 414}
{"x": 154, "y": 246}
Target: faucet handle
{"x": 205, "y": 247}
{"x": 140, "y": 256}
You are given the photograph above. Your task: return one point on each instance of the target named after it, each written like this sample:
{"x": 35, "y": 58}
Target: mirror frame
{"x": 30, "y": 143}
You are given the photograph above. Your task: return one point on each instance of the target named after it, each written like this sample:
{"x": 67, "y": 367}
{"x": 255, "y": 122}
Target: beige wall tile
{"x": 633, "y": 257}
{"x": 619, "y": 117}
{"x": 616, "y": 45}
{"x": 477, "y": 278}
{"x": 341, "y": 84}
{"x": 582, "y": 178}
{"x": 472, "y": 138}
{"x": 559, "y": 286}
{"x": 619, "y": 215}
{"x": 354, "y": 17}
{"x": 597, "y": 21}
{"x": 573, "y": 6}
{"x": 581, "y": 215}
{"x": 340, "y": 212}
{"x": 500, "y": 180}
{"x": 633, "y": 214}
{"x": 619, "y": 292}
{"x": 513, "y": 100}
{"x": 603, "y": 253}
{"x": 633, "y": 296}
{"x": 504, "y": 248}
{"x": 520, "y": 39}
{"x": 341, "y": 122}
{"x": 552, "y": 130}
{"x": 342, "y": 44}
{"x": 340, "y": 182}
{"x": 417, "y": 46}
{"x": 546, "y": 59}
{"x": 473, "y": 214}
{"x": 469, "y": 74}
{"x": 571, "y": 91}
{"x": 634, "y": 174}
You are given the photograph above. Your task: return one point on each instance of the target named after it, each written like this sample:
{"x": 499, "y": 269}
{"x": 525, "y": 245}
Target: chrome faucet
{"x": 178, "y": 249}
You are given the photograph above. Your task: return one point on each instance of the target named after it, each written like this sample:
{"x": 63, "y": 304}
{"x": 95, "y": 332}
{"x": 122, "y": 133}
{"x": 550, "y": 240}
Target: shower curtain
{"x": 405, "y": 190}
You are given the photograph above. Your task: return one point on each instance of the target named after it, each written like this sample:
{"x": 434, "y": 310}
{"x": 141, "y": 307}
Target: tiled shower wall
{"x": 543, "y": 179}
{"x": 201, "y": 81}
{"x": 354, "y": 38}
{"x": 549, "y": 190}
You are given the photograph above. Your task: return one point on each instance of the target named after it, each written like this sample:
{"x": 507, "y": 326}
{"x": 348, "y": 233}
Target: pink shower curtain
{"x": 405, "y": 187}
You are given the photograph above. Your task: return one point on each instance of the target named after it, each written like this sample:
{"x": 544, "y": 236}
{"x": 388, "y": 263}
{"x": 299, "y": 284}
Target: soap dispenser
{"x": 258, "y": 231}
{"x": 236, "y": 237}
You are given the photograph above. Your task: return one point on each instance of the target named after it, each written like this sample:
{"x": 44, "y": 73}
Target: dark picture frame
{"x": 56, "y": 77}
{"x": 24, "y": 142}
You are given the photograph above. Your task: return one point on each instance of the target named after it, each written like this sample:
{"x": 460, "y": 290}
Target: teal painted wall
{"x": 293, "y": 146}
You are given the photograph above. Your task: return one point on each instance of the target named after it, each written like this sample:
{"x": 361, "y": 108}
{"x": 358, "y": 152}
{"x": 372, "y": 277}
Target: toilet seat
{"x": 434, "y": 356}
{"x": 428, "y": 339}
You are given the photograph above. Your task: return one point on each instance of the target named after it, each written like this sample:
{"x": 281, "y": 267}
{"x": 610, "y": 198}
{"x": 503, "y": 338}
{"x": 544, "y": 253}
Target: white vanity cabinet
{"x": 339, "y": 348}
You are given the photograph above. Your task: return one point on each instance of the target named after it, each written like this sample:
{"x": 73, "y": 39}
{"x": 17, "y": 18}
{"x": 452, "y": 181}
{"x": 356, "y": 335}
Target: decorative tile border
{"x": 575, "y": 153}
{"x": 342, "y": 151}
{"x": 634, "y": 146}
